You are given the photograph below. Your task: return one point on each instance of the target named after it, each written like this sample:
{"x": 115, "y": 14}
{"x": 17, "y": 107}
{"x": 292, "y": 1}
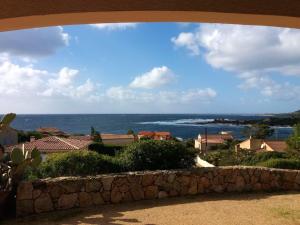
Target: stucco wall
{"x": 65, "y": 193}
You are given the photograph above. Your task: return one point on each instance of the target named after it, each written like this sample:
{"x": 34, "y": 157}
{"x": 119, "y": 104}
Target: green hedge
{"x": 78, "y": 164}
{"x": 104, "y": 148}
{"x": 143, "y": 155}
{"x": 281, "y": 163}
{"x": 154, "y": 155}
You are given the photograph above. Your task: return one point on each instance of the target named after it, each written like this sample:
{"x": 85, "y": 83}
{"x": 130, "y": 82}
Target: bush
{"x": 264, "y": 156}
{"x": 104, "y": 149}
{"x": 78, "y": 163}
{"x": 281, "y": 163}
{"x": 154, "y": 155}
{"x": 221, "y": 158}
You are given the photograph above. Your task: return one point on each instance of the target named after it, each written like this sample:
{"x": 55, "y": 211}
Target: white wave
{"x": 180, "y": 122}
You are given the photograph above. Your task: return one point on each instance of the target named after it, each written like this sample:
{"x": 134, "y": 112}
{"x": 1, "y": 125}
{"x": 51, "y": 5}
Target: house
{"x": 155, "y": 135}
{"x": 208, "y": 141}
{"x": 261, "y": 145}
{"x": 250, "y": 144}
{"x": 8, "y": 136}
{"x": 54, "y": 144}
{"x": 110, "y": 139}
{"x": 117, "y": 139}
{"x": 277, "y": 146}
{"x": 51, "y": 131}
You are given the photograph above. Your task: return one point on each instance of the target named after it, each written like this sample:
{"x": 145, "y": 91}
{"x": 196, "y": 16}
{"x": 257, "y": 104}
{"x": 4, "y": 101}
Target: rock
{"x": 72, "y": 186}
{"x": 218, "y": 188}
{"x": 193, "y": 189}
{"x": 124, "y": 188}
{"x": 106, "y": 182}
{"x": 24, "y": 207}
{"x": 67, "y": 201}
{"x": 173, "y": 193}
{"x": 147, "y": 180}
{"x": 265, "y": 177}
{"x": 36, "y": 193}
{"x": 116, "y": 195}
{"x": 43, "y": 203}
{"x": 240, "y": 183}
{"x": 106, "y": 196}
{"x": 205, "y": 182}
{"x": 151, "y": 192}
{"x": 85, "y": 199}
{"x": 56, "y": 191}
{"x": 127, "y": 197}
{"x": 97, "y": 198}
{"x": 171, "y": 177}
{"x": 184, "y": 180}
{"x": 162, "y": 194}
{"x": 25, "y": 191}
{"x": 120, "y": 181}
{"x": 297, "y": 179}
{"x": 137, "y": 192}
{"x": 289, "y": 176}
{"x": 92, "y": 186}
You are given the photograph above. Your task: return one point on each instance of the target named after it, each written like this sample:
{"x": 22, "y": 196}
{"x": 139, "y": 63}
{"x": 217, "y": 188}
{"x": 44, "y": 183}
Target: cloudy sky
{"x": 150, "y": 68}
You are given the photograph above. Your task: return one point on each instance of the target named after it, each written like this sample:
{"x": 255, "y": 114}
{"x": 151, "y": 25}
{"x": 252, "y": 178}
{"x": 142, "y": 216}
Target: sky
{"x": 150, "y": 68}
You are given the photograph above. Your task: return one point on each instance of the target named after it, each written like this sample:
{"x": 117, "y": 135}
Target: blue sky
{"x": 150, "y": 68}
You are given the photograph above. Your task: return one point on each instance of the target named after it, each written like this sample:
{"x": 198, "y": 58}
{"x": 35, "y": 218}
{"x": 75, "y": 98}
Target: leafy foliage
{"x": 153, "y": 155}
{"x": 130, "y": 131}
{"x": 294, "y": 140}
{"x": 281, "y": 163}
{"x": 24, "y": 136}
{"x": 259, "y": 131}
{"x": 104, "y": 149}
{"x": 78, "y": 164}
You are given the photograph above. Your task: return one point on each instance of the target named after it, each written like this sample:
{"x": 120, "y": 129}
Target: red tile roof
{"x": 277, "y": 145}
{"x": 55, "y": 144}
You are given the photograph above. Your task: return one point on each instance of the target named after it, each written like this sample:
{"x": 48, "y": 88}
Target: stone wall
{"x": 72, "y": 192}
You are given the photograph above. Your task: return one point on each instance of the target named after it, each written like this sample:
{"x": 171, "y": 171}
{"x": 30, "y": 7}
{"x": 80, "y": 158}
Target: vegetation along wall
{"x": 73, "y": 192}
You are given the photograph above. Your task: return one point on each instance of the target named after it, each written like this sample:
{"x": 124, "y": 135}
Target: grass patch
{"x": 290, "y": 214}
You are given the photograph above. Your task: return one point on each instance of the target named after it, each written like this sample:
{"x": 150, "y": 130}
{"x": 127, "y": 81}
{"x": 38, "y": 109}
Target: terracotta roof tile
{"x": 54, "y": 144}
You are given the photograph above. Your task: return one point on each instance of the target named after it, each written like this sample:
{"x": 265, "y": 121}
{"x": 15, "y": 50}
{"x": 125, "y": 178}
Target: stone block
{"x": 67, "y": 201}
{"x": 43, "y": 203}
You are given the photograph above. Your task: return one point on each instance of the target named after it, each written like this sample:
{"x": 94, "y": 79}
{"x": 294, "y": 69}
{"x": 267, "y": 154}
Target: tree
{"x": 259, "y": 131}
{"x": 97, "y": 137}
{"x": 294, "y": 140}
{"x": 92, "y": 131}
{"x": 130, "y": 131}
{"x": 154, "y": 155}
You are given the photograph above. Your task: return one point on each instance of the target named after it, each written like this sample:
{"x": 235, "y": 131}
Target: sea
{"x": 180, "y": 125}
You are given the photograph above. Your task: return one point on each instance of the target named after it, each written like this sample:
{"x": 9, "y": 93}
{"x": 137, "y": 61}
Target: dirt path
{"x": 235, "y": 209}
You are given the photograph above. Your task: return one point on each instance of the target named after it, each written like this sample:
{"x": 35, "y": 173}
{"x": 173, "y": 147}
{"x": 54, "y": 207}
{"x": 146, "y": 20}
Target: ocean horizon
{"x": 180, "y": 125}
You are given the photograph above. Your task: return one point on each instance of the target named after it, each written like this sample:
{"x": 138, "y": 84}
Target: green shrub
{"x": 78, "y": 163}
{"x": 104, "y": 149}
{"x": 154, "y": 155}
{"x": 281, "y": 163}
{"x": 264, "y": 156}
{"x": 221, "y": 158}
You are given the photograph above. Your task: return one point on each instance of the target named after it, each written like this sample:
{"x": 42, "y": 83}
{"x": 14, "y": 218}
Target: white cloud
{"x": 28, "y": 82}
{"x": 187, "y": 40}
{"x": 253, "y": 53}
{"x": 128, "y": 95}
{"x": 155, "y": 78}
{"x": 34, "y": 42}
{"x": 199, "y": 95}
{"x": 114, "y": 26}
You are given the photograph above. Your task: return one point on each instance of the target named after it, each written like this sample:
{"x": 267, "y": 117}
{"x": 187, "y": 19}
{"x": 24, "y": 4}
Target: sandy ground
{"x": 233, "y": 209}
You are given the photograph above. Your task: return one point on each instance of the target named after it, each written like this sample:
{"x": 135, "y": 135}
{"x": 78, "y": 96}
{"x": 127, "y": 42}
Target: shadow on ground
{"x": 114, "y": 214}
